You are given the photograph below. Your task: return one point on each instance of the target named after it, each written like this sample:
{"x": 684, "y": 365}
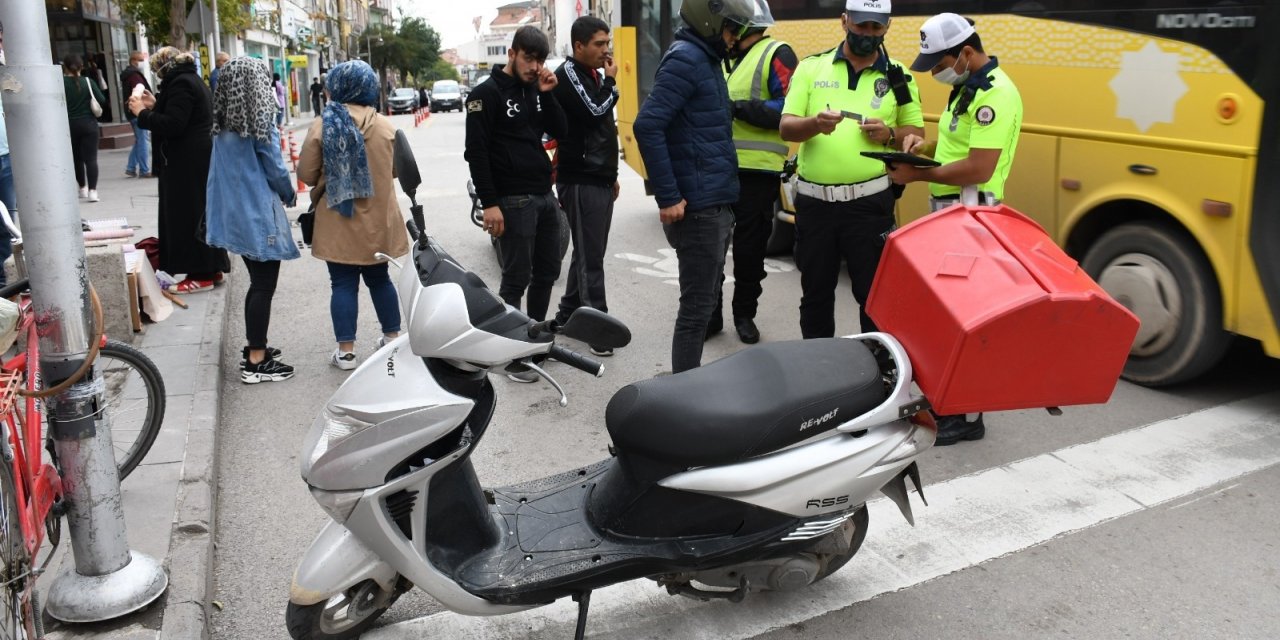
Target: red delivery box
{"x": 994, "y": 316}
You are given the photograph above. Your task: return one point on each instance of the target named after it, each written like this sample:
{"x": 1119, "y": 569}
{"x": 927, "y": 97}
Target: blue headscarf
{"x": 346, "y": 166}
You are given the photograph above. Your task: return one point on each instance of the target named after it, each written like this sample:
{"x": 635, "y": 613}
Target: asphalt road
{"x": 1197, "y": 560}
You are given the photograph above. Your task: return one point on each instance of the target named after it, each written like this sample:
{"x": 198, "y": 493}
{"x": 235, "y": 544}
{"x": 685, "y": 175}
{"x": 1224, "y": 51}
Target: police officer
{"x": 844, "y": 201}
{"x": 978, "y": 132}
{"x": 758, "y": 85}
{"x": 977, "y": 137}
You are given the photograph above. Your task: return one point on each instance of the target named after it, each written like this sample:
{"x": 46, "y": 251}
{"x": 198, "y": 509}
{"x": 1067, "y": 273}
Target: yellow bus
{"x": 1141, "y": 151}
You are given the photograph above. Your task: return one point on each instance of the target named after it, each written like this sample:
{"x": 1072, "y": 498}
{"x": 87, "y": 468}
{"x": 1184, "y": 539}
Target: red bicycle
{"x": 30, "y": 483}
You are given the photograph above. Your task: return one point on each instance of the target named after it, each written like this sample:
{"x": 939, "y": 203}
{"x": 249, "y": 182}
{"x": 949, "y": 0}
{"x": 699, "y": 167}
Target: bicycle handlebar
{"x": 14, "y": 288}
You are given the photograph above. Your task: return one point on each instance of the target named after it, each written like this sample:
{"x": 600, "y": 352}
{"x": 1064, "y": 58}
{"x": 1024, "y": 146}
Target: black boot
{"x": 747, "y": 331}
{"x": 715, "y": 326}
{"x": 953, "y": 429}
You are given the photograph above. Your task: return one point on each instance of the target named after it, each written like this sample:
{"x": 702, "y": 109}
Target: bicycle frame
{"x": 37, "y": 482}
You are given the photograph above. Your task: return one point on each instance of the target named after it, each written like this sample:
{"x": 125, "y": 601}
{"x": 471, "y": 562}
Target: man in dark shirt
{"x": 587, "y": 175}
{"x": 506, "y": 118}
{"x": 317, "y": 95}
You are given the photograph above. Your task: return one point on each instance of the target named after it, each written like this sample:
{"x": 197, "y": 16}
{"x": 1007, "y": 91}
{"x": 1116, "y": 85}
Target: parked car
{"x": 403, "y": 100}
{"x": 446, "y": 95}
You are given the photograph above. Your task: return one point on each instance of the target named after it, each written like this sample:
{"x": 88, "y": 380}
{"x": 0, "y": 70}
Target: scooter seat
{"x": 753, "y": 402}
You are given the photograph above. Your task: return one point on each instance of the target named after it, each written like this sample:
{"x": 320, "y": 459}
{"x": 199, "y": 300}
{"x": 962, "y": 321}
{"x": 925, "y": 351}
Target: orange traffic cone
{"x": 302, "y": 186}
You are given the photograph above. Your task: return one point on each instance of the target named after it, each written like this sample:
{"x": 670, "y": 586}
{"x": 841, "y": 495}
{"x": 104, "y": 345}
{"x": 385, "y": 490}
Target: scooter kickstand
{"x": 584, "y": 600}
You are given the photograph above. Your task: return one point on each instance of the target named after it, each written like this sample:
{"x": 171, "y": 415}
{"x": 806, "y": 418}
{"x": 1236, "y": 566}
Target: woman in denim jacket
{"x": 247, "y": 191}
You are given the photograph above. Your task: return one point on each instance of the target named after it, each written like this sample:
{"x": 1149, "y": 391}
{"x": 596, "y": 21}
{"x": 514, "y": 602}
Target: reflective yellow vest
{"x": 760, "y": 149}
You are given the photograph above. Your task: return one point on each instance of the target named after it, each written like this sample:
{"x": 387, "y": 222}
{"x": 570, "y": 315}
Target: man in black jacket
{"x": 587, "y": 175}
{"x": 506, "y": 117}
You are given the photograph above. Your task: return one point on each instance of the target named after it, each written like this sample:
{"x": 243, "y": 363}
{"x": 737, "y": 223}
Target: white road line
{"x": 969, "y": 520}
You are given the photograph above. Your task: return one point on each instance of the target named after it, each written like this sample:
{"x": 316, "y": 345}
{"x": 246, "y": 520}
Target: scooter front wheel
{"x": 344, "y": 616}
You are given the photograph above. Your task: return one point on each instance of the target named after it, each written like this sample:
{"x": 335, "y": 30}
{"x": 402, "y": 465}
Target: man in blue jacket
{"x": 685, "y": 134}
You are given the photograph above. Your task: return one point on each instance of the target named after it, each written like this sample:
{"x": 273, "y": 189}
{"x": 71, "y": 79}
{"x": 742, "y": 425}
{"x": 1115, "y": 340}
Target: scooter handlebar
{"x": 576, "y": 360}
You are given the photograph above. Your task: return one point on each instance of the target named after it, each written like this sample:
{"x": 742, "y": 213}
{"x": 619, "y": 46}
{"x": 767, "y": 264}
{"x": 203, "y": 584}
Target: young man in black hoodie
{"x": 587, "y": 175}
{"x": 506, "y": 117}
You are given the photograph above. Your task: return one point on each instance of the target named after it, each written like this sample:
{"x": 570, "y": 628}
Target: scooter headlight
{"x": 333, "y": 429}
{"x": 338, "y": 504}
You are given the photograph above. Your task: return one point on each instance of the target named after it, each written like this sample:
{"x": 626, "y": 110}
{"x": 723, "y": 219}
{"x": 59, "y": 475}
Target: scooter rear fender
{"x": 336, "y": 561}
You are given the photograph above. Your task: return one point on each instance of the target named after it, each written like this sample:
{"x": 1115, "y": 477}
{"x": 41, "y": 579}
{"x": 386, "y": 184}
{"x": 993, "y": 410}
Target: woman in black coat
{"x": 180, "y": 119}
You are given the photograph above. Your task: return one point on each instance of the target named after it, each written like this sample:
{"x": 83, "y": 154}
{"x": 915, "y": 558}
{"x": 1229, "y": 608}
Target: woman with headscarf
{"x": 180, "y": 120}
{"x": 248, "y": 189}
{"x": 347, "y": 157}
{"x": 81, "y": 92}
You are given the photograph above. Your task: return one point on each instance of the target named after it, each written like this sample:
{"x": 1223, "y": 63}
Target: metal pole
{"x": 284, "y": 60}
{"x": 109, "y": 580}
{"x": 217, "y": 32}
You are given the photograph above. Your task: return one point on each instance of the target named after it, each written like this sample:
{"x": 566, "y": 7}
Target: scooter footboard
{"x": 335, "y": 561}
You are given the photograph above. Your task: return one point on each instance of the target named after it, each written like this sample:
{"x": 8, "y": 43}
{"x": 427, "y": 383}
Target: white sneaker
{"x": 93, "y": 196}
{"x": 384, "y": 341}
{"x": 345, "y": 360}
{"x": 84, "y": 192}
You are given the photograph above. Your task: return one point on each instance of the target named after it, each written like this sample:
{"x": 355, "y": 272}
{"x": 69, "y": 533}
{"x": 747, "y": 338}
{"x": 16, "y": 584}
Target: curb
{"x": 190, "y": 559}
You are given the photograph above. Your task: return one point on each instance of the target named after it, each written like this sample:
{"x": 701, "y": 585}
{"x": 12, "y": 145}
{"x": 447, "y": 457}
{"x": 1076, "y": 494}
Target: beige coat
{"x": 378, "y": 224}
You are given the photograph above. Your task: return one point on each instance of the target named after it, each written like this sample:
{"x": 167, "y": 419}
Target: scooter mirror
{"x": 597, "y": 329}
{"x": 406, "y": 165}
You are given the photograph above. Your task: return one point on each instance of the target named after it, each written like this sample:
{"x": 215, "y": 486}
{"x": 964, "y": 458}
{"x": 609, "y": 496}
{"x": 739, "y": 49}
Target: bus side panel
{"x": 1255, "y": 317}
{"x": 1181, "y": 181}
{"x": 624, "y": 51}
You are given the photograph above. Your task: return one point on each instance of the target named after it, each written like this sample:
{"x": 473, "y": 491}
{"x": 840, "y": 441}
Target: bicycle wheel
{"x": 14, "y": 560}
{"x": 133, "y": 399}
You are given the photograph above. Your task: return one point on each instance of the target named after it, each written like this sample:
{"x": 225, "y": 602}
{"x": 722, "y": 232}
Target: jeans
{"x": 590, "y": 210}
{"x": 530, "y": 247}
{"x": 826, "y": 232}
{"x": 257, "y": 301}
{"x": 344, "y": 303}
{"x": 700, "y": 239}
{"x": 752, "y": 225}
{"x": 140, "y": 158}
{"x": 10, "y": 199}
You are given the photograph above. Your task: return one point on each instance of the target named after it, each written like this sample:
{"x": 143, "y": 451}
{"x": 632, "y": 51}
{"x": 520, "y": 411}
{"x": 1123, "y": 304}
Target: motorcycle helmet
{"x": 708, "y": 18}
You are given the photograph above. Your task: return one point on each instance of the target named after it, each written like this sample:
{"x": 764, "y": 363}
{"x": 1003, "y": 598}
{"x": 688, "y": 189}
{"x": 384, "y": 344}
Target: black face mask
{"x": 863, "y": 45}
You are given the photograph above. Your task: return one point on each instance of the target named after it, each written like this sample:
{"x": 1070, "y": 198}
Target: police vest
{"x": 824, "y": 81}
{"x": 989, "y": 119}
{"x": 758, "y": 148}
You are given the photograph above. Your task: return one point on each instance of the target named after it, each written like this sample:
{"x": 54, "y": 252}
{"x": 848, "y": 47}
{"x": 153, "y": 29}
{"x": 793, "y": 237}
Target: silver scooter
{"x": 748, "y": 474}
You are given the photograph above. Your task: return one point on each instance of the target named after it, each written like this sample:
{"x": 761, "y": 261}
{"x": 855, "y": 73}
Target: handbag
{"x": 93, "y": 102}
{"x": 307, "y": 222}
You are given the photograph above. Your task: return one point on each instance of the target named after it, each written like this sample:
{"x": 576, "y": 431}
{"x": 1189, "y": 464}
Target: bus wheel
{"x": 1161, "y": 276}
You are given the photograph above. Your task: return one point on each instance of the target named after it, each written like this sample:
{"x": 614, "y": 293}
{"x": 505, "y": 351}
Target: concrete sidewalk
{"x": 169, "y": 500}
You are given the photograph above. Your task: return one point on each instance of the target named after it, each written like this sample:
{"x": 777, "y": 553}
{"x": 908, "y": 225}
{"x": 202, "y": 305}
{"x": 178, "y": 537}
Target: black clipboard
{"x": 898, "y": 157}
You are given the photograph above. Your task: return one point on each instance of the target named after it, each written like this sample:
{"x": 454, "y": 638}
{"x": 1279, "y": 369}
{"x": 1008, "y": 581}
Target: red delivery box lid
{"x": 994, "y": 316}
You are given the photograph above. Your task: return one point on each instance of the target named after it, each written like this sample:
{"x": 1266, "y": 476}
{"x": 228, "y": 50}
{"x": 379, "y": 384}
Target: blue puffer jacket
{"x": 685, "y": 129}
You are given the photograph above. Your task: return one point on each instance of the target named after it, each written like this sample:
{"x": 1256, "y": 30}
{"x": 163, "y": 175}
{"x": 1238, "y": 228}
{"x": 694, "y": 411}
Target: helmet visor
{"x": 763, "y": 17}
{"x": 737, "y": 15}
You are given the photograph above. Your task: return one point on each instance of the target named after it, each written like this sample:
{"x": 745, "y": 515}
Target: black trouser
{"x": 752, "y": 225}
{"x": 315, "y": 105}
{"x": 257, "y": 300}
{"x": 84, "y": 151}
{"x": 827, "y": 232}
{"x": 700, "y": 239}
{"x": 590, "y": 211}
{"x": 530, "y": 246}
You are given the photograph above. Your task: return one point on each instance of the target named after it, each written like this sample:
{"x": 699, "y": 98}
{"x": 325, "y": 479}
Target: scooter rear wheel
{"x": 344, "y": 616}
{"x": 859, "y": 520}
